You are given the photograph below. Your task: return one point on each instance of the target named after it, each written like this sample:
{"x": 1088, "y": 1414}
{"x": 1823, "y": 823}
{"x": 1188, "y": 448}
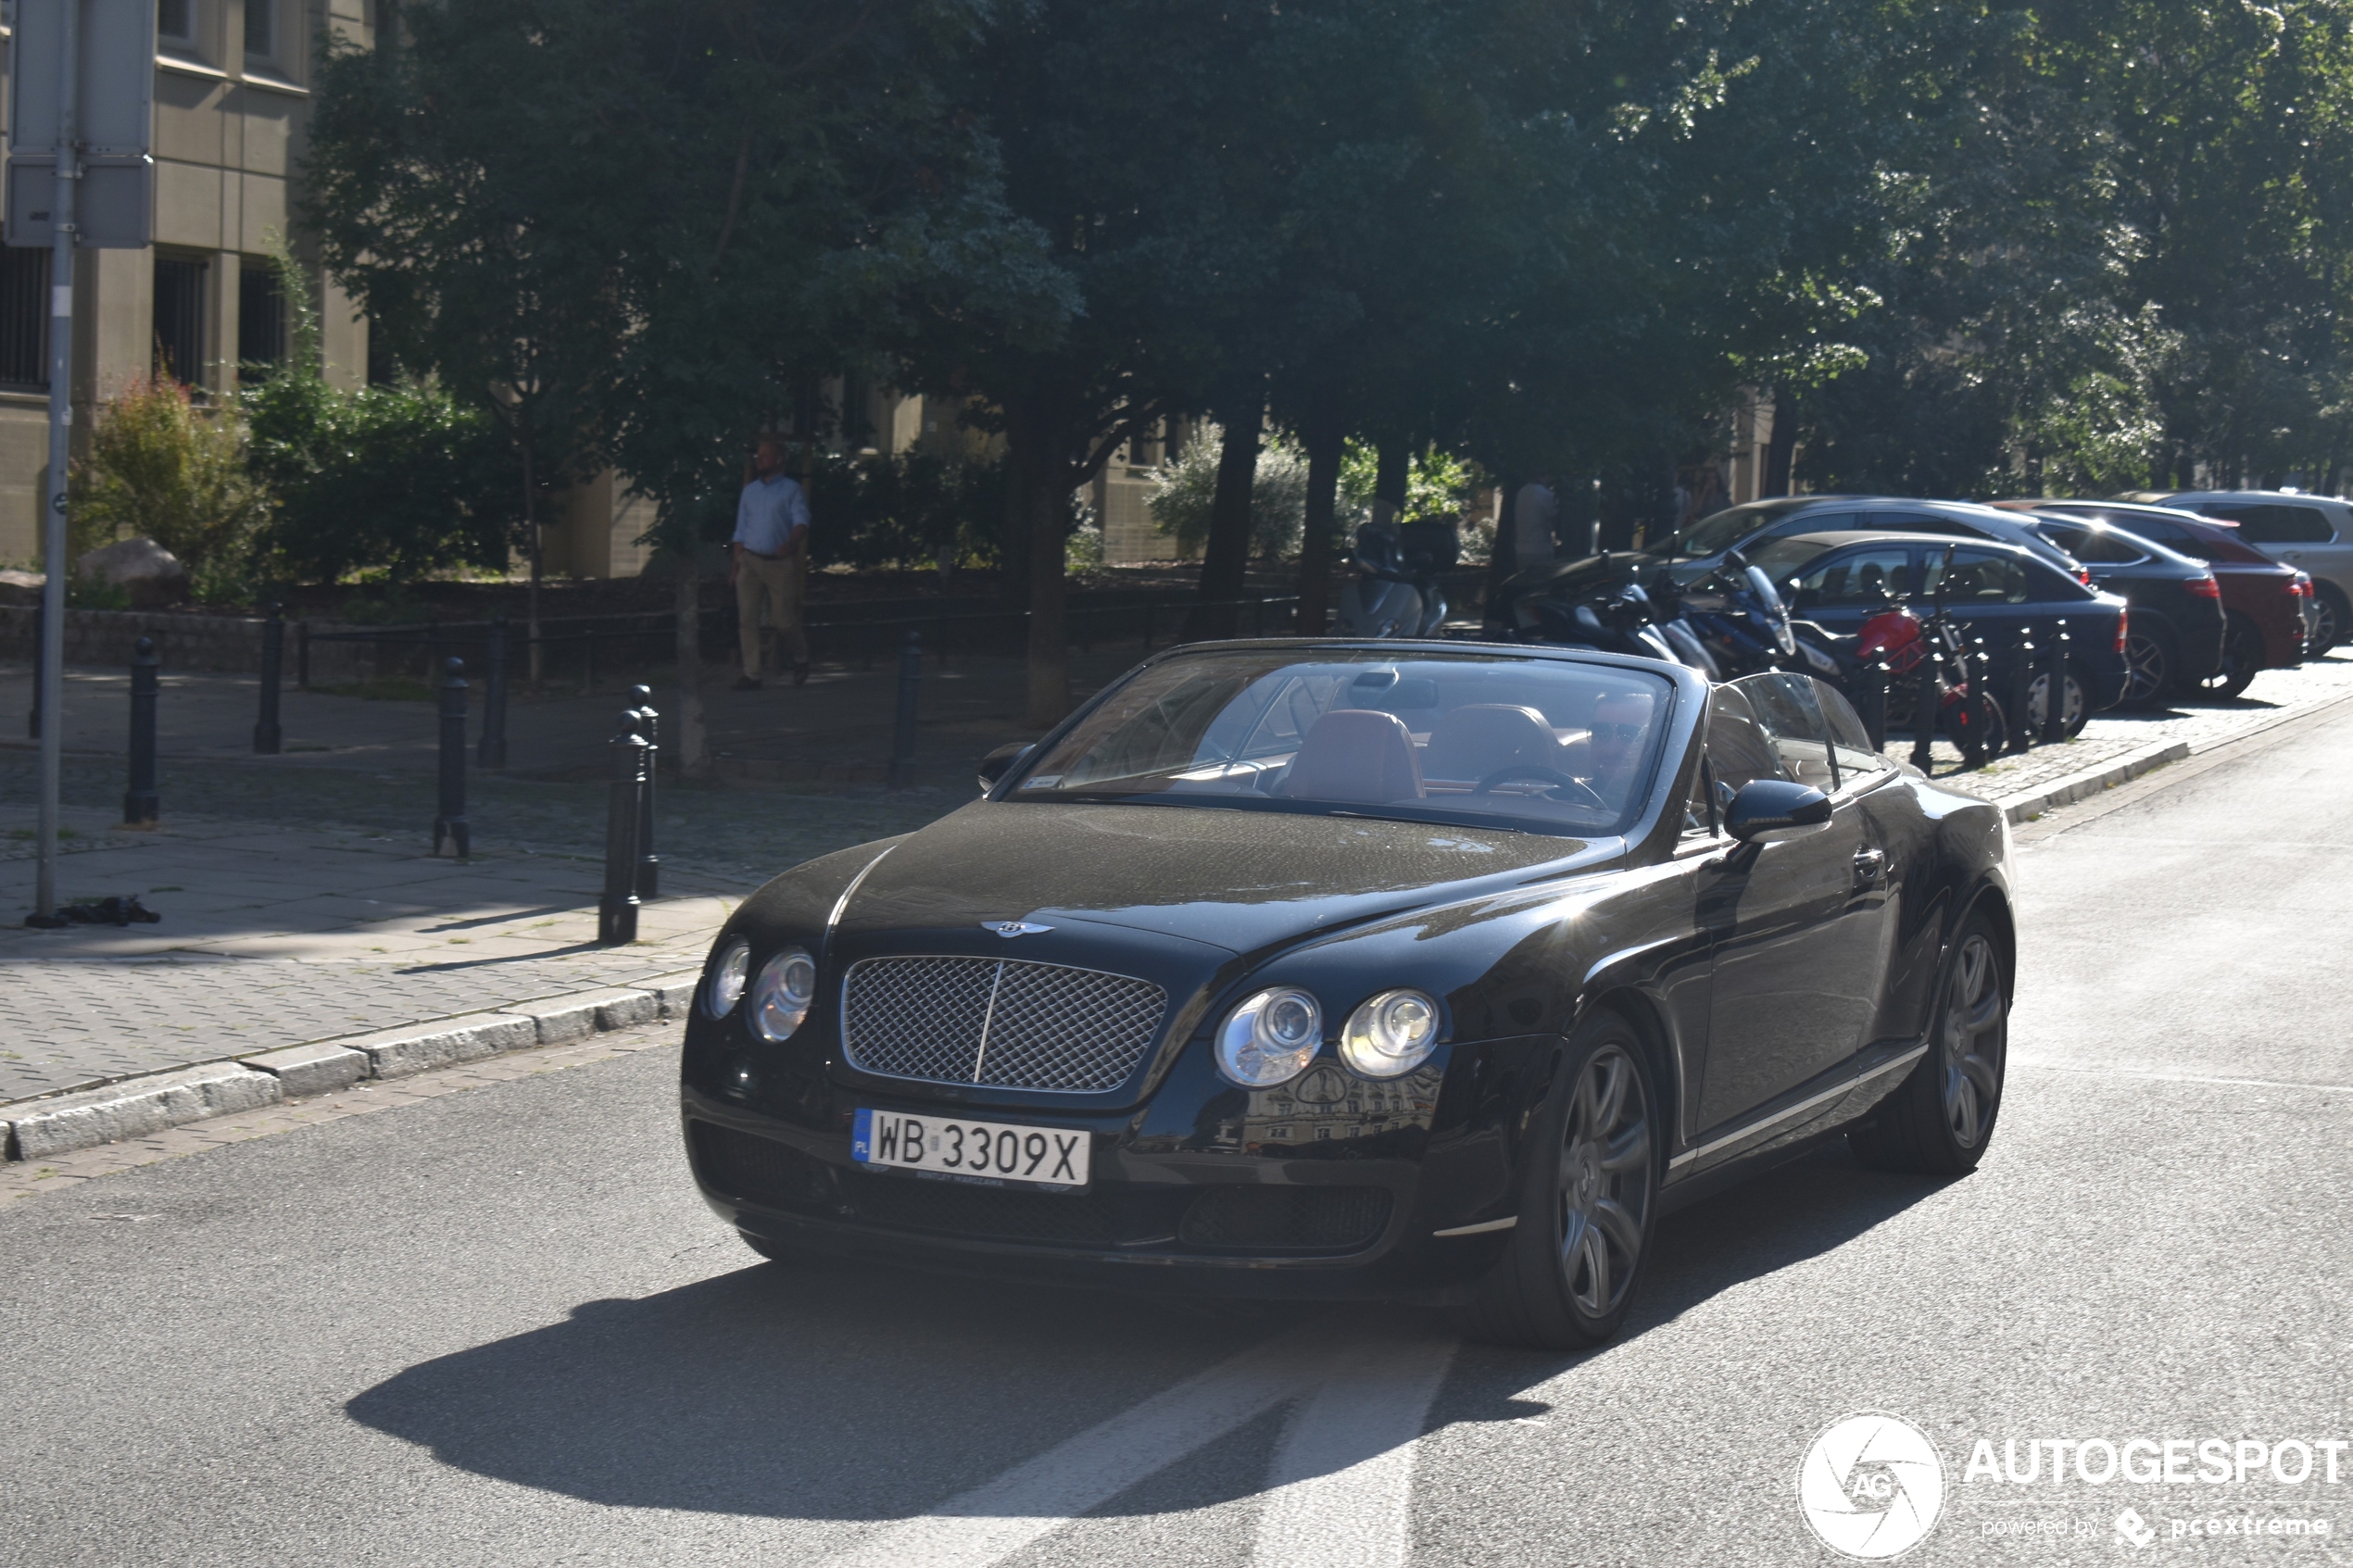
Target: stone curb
{"x": 2091, "y": 781}
{"x": 137, "y": 1107}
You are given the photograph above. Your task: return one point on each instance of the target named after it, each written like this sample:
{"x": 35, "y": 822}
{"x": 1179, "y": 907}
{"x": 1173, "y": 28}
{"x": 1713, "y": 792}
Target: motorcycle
{"x": 1894, "y": 658}
{"x": 1395, "y": 591}
{"x": 1738, "y": 615}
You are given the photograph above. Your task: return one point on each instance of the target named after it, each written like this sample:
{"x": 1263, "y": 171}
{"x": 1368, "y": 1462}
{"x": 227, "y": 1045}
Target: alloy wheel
{"x": 1604, "y": 1181}
{"x": 1973, "y": 1037}
{"x": 2320, "y": 628}
{"x": 2148, "y": 669}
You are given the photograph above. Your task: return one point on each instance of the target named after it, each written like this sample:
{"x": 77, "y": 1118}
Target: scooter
{"x": 1738, "y": 615}
{"x": 1395, "y": 592}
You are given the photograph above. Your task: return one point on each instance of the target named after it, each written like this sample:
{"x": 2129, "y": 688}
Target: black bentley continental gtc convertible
{"x": 1334, "y": 970}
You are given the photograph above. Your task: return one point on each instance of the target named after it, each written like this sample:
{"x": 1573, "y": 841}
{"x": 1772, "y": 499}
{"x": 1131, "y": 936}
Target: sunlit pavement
{"x": 496, "y": 1326}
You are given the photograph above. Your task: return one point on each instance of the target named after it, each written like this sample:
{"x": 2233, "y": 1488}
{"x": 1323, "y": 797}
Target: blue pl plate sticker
{"x": 861, "y": 1137}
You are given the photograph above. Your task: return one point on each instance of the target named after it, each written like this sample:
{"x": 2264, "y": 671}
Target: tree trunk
{"x": 1226, "y": 563}
{"x": 1021, "y": 508}
{"x": 1327, "y": 438}
{"x": 688, "y": 744}
{"x": 1389, "y": 481}
{"x": 1781, "y": 453}
{"x": 1049, "y": 630}
{"x": 531, "y": 533}
{"x": 1504, "y": 559}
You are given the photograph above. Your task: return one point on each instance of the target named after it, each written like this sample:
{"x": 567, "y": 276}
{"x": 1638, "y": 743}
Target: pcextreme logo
{"x": 1871, "y": 1486}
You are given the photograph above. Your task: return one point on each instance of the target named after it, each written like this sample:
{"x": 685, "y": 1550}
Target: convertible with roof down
{"x": 1337, "y": 969}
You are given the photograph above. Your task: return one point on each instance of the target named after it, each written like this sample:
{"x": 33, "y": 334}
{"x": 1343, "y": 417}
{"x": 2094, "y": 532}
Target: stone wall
{"x": 221, "y": 643}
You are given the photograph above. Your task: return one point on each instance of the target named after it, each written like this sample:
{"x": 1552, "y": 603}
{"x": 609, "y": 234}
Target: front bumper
{"x": 1176, "y": 1201}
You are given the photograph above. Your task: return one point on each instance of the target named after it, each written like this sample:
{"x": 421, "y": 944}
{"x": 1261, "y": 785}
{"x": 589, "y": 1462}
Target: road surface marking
{"x": 1339, "y": 1491}
{"x": 1033, "y": 1500}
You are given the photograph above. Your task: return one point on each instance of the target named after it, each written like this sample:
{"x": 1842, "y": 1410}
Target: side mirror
{"x": 1764, "y": 806}
{"x": 1000, "y": 763}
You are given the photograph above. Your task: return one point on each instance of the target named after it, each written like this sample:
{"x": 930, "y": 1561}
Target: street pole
{"x": 53, "y": 591}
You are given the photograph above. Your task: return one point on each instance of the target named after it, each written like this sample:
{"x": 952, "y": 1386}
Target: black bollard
{"x": 2054, "y": 660}
{"x": 140, "y": 806}
{"x": 266, "y": 734}
{"x": 1925, "y": 702}
{"x": 493, "y": 752}
{"x": 648, "y": 731}
{"x": 2022, "y": 687}
{"x": 617, "y": 910}
{"x": 450, "y": 824}
{"x": 1871, "y": 701}
{"x": 902, "y": 747}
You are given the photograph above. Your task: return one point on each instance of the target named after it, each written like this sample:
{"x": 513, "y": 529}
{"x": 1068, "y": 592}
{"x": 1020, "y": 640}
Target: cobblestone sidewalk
{"x": 2275, "y": 695}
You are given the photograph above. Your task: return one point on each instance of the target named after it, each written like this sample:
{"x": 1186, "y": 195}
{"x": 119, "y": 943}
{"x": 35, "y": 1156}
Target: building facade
{"x": 231, "y": 99}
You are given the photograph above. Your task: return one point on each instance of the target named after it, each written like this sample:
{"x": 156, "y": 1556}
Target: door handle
{"x": 1868, "y": 863}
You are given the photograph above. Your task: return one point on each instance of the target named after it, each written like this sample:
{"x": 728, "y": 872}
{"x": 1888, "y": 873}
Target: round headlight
{"x": 1270, "y": 1039}
{"x": 725, "y": 986}
{"x": 1390, "y": 1034}
{"x": 780, "y": 998}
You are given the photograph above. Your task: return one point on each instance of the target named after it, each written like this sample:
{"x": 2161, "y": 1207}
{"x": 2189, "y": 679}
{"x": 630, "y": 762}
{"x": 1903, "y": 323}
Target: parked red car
{"x": 2264, "y": 598}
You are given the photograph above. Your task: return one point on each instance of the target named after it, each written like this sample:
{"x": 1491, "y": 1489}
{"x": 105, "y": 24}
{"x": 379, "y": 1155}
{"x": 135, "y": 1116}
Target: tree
{"x": 639, "y": 226}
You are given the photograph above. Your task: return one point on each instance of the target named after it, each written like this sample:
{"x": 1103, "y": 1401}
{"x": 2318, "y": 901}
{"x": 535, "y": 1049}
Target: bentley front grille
{"x": 999, "y": 1022}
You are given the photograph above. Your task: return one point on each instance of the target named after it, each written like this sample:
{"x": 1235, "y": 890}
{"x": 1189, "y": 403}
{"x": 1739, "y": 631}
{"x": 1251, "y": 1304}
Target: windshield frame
{"x": 1641, "y": 805}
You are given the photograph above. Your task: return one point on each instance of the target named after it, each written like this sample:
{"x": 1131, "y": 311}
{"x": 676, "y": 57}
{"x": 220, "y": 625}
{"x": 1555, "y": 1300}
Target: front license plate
{"x": 997, "y": 1152}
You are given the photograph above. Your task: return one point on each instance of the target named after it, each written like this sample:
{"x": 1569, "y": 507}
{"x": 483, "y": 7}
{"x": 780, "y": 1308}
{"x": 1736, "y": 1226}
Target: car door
{"x": 1800, "y": 952}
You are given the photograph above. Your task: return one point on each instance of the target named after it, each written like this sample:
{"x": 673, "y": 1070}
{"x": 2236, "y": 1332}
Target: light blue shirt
{"x": 771, "y": 513}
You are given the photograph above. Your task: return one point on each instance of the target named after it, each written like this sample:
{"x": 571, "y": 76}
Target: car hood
{"x": 1239, "y": 880}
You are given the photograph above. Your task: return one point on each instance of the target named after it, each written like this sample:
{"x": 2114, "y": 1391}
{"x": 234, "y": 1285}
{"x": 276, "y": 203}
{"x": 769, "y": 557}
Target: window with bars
{"x": 261, "y": 29}
{"x": 180, "y": 319}
{"x": 176, "y": 20}
{"x": 24, "y": 316}
{"x": 262, "y": 317}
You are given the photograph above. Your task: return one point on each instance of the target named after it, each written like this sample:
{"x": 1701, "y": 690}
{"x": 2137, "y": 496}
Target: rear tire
{"x": 1587, "y": 1203}
{"x": 2149, "y": 665}
{"x": 2242, "y": 655}
{"x": 1939, "y": 1121}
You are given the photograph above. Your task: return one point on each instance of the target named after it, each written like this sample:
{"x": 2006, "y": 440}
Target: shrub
{"x": 162, "y": 468}
{"x": 1187, "y": 491}
{"x": 908, "y": 511}
{"x": 402, "y": 479}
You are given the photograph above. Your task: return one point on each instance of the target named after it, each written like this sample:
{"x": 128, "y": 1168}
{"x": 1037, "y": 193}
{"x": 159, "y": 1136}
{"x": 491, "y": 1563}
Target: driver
{"x": 1621, "y": 722}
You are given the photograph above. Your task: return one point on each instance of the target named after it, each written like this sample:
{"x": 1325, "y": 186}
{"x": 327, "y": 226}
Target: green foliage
{"x": 162, "y": 468}
{"x": 1183, "y": 493}
{"x": 910, "y": 510}
{"x": 401, "y": 480}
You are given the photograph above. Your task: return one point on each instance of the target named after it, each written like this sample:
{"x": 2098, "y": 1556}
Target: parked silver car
{"x": 2312, "y": 533}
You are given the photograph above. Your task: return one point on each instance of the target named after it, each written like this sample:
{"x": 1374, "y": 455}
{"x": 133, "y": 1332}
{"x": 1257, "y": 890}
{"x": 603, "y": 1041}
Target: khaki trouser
{"x": 778, "y": 583}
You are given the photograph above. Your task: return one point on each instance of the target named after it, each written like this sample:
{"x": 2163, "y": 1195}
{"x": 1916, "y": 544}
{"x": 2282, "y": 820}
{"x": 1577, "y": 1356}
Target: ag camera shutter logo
{"x": 1870, "y": 1486}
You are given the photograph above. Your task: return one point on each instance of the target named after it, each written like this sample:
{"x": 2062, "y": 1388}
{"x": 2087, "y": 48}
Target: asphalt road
{"x": 497, "y": 1327}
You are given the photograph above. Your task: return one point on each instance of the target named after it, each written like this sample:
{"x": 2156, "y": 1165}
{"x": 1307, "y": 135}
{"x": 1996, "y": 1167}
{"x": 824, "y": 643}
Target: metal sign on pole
{"x": 81, "y": 118}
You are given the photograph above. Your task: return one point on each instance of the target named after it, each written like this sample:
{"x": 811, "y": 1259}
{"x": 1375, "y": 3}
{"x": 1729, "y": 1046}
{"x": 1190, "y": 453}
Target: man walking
{"x": 768, "y": 562}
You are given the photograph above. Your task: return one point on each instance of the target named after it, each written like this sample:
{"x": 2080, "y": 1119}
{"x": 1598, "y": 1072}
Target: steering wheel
{"x": 1559, "y": 780}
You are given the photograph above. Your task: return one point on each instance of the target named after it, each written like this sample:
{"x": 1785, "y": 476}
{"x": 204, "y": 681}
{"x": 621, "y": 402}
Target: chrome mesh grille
{"x": 999, "y": 1022}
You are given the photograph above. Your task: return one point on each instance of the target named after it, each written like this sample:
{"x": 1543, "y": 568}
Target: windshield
{"x": 1782, "y": 560}
{"x": 1533, "y": 744}
{"x": 1720, "y": 531}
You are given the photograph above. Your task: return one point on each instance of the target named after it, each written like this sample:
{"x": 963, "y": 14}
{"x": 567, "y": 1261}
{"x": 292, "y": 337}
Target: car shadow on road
{"x": 859, "y": 1392}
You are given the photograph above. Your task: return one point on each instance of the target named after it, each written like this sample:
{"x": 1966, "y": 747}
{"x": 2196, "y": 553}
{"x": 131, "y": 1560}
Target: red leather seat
{"x": 1480, "y": 738}
{"x": 1358, "y": 755}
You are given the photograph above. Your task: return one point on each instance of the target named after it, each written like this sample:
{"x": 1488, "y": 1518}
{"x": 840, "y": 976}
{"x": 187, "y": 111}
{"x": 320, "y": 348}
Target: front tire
{"x": 1939, "y": 1119}
{"x": 1588, "y": 1202}
{"x": 2331, "y": 618}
